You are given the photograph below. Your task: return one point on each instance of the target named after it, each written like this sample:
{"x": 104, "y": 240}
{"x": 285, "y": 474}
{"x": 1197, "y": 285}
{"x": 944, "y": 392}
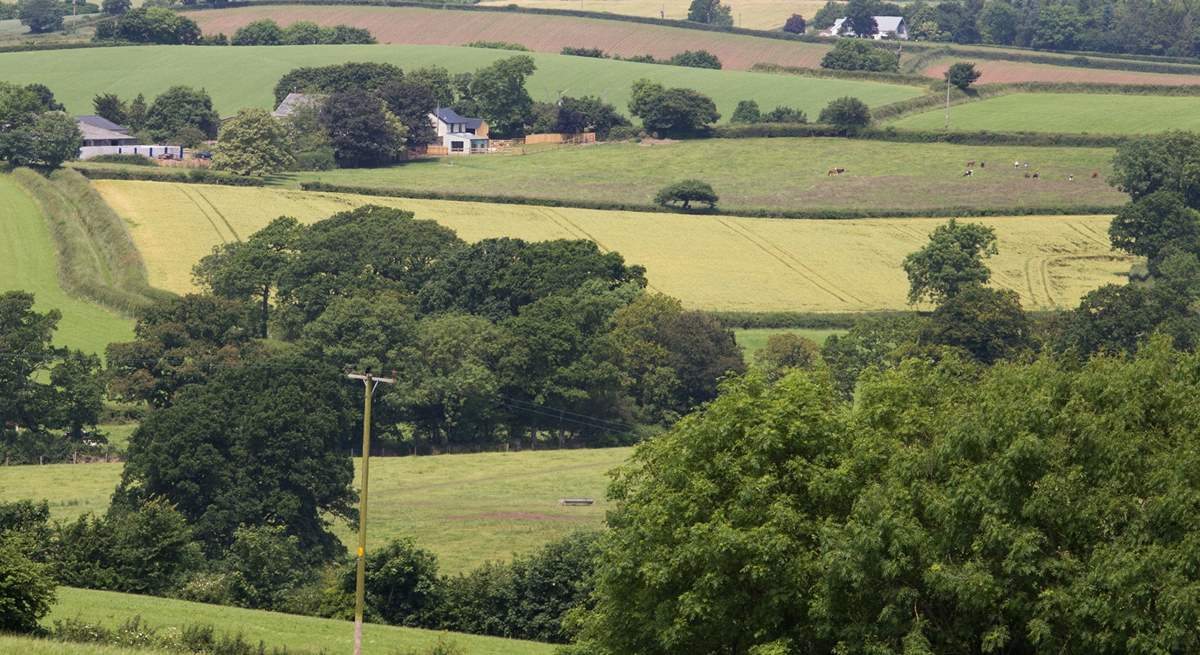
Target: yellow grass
{"x": 754, "y": 14}
{"x": 708, "y": 262}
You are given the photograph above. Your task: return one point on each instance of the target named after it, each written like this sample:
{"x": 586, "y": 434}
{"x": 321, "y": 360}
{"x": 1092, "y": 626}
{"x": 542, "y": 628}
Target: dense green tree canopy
{"x": 179, "y": 108}
{"x": 253, "y": 143}
{"x": 497, "y": 94}
{"x": 952, "y": 260}
{"x": 962, "y": 74}
{"x": 1167, "y": 162}
{"x": 362, "y": 131}
{"x": 671, "y": 110}
{"x": 710, "y": 12}
{"x": 848, "y": 114}
{"x": 684, "y": 193}
{"x": 854, "y": 55}
{"x": 1154, "y": 223}
{"x": 41, "y": 15}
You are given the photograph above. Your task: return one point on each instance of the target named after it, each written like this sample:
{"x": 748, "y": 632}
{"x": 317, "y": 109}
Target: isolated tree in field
{"x": 111, "y": 107}
{"x": 179, "y": 108}
{"x": 860, "y": 17}
{"x": 962, "y": 74}
{"x": 115, "y": 7}
{"x": 1168, "y": 161}
{"x": 362, "y": 131}
{"x": 747, "y": 112}
{"x": 854, "y": 55}
{"x": 41, "y": 15}
{"x": 259, "y": 444}
{"x": 671, "y": 110}
{"x": 695, "y": 59}
{"x": 847, "y": 114}
{"x": 253, "y": 143}
{"x": 497, "y": 92}
{"x": 710, "y": 12}
{"x": 987, "y": 323}
{"x": 684, "y": 193}
{"x": 1151, "y": 225}
{"x": 26, "y": 587}
{"x": 951, "y": 261}
{"x": 795, "y": 24}
{"x": 259, "y": 32}
{"x": 250, "y": 269}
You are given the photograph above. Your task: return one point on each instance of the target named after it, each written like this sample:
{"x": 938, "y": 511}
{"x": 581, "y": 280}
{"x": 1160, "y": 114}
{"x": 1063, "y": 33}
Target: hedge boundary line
{"x": 96, "y": 257}
{"x": 750, "y": 320}
{"x": 814, "y": 214}
{"x": 891, "y": 134}
{"x": 192, "y": 176}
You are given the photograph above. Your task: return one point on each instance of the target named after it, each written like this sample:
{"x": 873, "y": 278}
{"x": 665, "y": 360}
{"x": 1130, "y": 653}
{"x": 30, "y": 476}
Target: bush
{"x": 795, "y": 24}
{"x": 962, "y": 74}
{"x": 131, "y": 160}
{"x": 150, "y": 25}
{"x": 26, "y": 587}
{"x": 847, "y": 114}
{"x": 402, "y": 584}
{"x": 671, "y": 111}
{"x": 263, "y": 565}
{"x": 498, "y": 45}
{"x": 259, "y": 32}
{"x": 784, "y": 115}
{"x": 695, "y": 59}
{"x": 746, "y": 113}
{"x": 687, "y": 192}
{"x": 584, "y": 52}
{"x": 860, "y": 55}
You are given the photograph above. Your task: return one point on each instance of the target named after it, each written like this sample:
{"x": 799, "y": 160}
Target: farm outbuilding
{"x": 104, "y": 137}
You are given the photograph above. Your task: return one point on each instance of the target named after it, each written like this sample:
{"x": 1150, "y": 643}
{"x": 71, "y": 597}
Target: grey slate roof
{"x": 451, "y": 117}
{"x": 102, "y": 123}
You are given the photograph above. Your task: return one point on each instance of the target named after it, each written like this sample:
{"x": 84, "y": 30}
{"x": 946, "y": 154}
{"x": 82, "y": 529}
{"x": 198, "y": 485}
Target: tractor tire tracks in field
{"x": 570, "y": 227}
{"x": 791, "y": 262}
{"x": 1087, "y": 232}
{"x": 203, "y": 212}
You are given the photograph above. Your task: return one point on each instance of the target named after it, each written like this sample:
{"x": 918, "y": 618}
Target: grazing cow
{"x": 1070, "y": 178}
{"x": 1025, "y": 165}
{"x": 835, "y": 171}
{"x": 1095, "y": 174}
{"x": 970, "y": 164}
{"x": 1035, "y": 175}
{"x": 1027, "y": 176}
{"x": 983, "y": 164}
{"x": 968, "y": 173}
{"x": 1016, "y": 164}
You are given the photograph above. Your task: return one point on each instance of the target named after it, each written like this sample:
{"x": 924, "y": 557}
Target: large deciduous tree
{"x": 180, "y": 108}
{"x": 671, "y": 110}
{"x": 952, "y": 260}
{"x": 497, "y": 92}
{"x": 362, "y": 131}
{"x": 250, "y": 269}
{"x": 253, "y": 143}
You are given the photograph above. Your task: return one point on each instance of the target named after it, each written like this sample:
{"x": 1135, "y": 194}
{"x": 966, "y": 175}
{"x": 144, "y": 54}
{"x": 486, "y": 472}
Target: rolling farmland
{"x": 999, "y": 71}
{"x": 467, "y": 509}
{"x": 303, "y": 633}
{"x": 754, "y": 14}
{"x": 76, "y": 76}
{"x": 781, "y": 174}
{"x": 1066, "y": 112}
{"x": 27, "y": 263}
{"x": 429, "y": 26}
{"x": 708, "y": 262}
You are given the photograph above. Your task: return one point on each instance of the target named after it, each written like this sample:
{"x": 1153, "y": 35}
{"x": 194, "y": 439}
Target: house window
{"x": 456, "y": 146}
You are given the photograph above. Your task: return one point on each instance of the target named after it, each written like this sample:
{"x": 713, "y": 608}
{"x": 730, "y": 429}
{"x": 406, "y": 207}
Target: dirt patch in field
{"x": 995, "y": 72}
{"x": 511, "y": 516}
{"x": 419, "y": 26}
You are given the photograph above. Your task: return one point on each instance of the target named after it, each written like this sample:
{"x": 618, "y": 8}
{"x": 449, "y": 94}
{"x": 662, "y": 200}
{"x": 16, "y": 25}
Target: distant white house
{"x": 887, "y": 27}
{"x": 104, "y": 137}
{"x": 460, "y": 135}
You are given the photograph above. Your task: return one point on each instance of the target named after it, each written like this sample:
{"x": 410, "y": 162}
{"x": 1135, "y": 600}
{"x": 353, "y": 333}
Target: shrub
{"x": 962, "y": 74}
{"x": 860, "y": 55}
{"x": 26, "y": 587}
{"x": 131, "y": 160}
{"x": 304, "y": 32}
{"x": 695, "y": 59}
{"x": 584, "y": 52}
{"x": 848, "y": 114}
{"x": 402, "y": 583}
{"x": 784, "y": 115}
{"x": 259, "y": 32}
{"x": 263, "y": 565}
{"x": 795, "y": 24}
{"x": 747, "y": 113}
{"x": 685, "y": 193}
{"x": 150, "y": 25}
{"x": 498, "y": 45}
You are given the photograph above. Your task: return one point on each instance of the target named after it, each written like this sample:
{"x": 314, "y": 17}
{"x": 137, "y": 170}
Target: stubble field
{"x": 708, "y": 262}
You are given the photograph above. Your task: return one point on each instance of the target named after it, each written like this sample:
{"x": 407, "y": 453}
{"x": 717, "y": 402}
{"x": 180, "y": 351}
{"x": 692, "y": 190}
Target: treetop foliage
{"x": 952, "y": 260}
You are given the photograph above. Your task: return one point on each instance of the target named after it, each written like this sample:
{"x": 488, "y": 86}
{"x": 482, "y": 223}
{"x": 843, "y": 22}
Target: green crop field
{"x": 1066, "y": 112}
{"x": 245, "y": 76}
{"x": 708, "y": 262}
{"x": 303, "y": 633}
{"x": 27, "y": 263}
{"x": 467, "y": 509}
{"x": 785, "y": 173}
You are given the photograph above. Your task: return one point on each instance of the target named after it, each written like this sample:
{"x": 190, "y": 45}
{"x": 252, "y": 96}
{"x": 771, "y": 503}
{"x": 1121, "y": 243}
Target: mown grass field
{"x": 27, "y": 263}
{"x": 708, "y": 262}
{"x": 1066, "y": 112}
{"x": 782, "y": 174}
{"x": 467, "y": 509}
{"x": 297, "y": 633}
{"x": 238, "y": 77}
{"x": 543, "y": 33}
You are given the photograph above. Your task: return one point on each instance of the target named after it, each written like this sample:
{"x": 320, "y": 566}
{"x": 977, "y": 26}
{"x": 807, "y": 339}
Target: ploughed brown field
{"x": 997, "y": 72}
{"x": 419, "y": 26}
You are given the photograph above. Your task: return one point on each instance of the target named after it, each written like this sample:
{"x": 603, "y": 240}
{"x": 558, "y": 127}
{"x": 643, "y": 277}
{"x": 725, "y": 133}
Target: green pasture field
{"x": 708, "y": 261}
{"x": 246, "y": 76}
{"x": 298, "y": 633}
{"x": 27, "y": 263}
{"x": 1065, "y": 112}
{"x": 467, "y": 509}
{"x": 779, "y": 174}
{"x": 754, "y": 339}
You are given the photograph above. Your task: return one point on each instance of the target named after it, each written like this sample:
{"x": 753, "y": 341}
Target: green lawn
{"x": 785, "y": 173}
{"x": 303, "y": 633}
{"x": 754, "y": 339}
{"x": 27, "y": 263}
{"x": 1066, "y": 112}
{"x": 465, "y": 508}
{"x": 245, "y": 76}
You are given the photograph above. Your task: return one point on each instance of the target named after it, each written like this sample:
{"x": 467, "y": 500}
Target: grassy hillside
{"x": 1066, "y": 112}
{"x": 788, "y": 173}
{"x": 274, "y": 629}
{"x": 27, "y": 263}
{"x": 245, "y": 76}
{"x": 430, "y": 26}
{"x": 709, "y": 262}
{"x": 465, "y": 508}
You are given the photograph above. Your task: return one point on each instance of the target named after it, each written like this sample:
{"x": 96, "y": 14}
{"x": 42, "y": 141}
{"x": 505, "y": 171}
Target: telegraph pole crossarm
{"x": 370, "y": 383}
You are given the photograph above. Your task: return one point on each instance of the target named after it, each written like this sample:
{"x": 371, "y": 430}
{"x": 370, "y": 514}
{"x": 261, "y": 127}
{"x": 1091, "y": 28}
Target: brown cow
{"x": 970, "y": 164}
{"x": 835, "y": 171}
{"x": 1095, "y": 174}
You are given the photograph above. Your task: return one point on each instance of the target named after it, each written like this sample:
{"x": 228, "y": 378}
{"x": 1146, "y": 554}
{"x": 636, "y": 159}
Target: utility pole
{"x": 369, "y": 384}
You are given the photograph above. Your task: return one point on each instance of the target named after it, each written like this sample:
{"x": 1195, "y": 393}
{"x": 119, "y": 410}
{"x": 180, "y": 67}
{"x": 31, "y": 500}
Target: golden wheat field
{"x": 708, "y": 262}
